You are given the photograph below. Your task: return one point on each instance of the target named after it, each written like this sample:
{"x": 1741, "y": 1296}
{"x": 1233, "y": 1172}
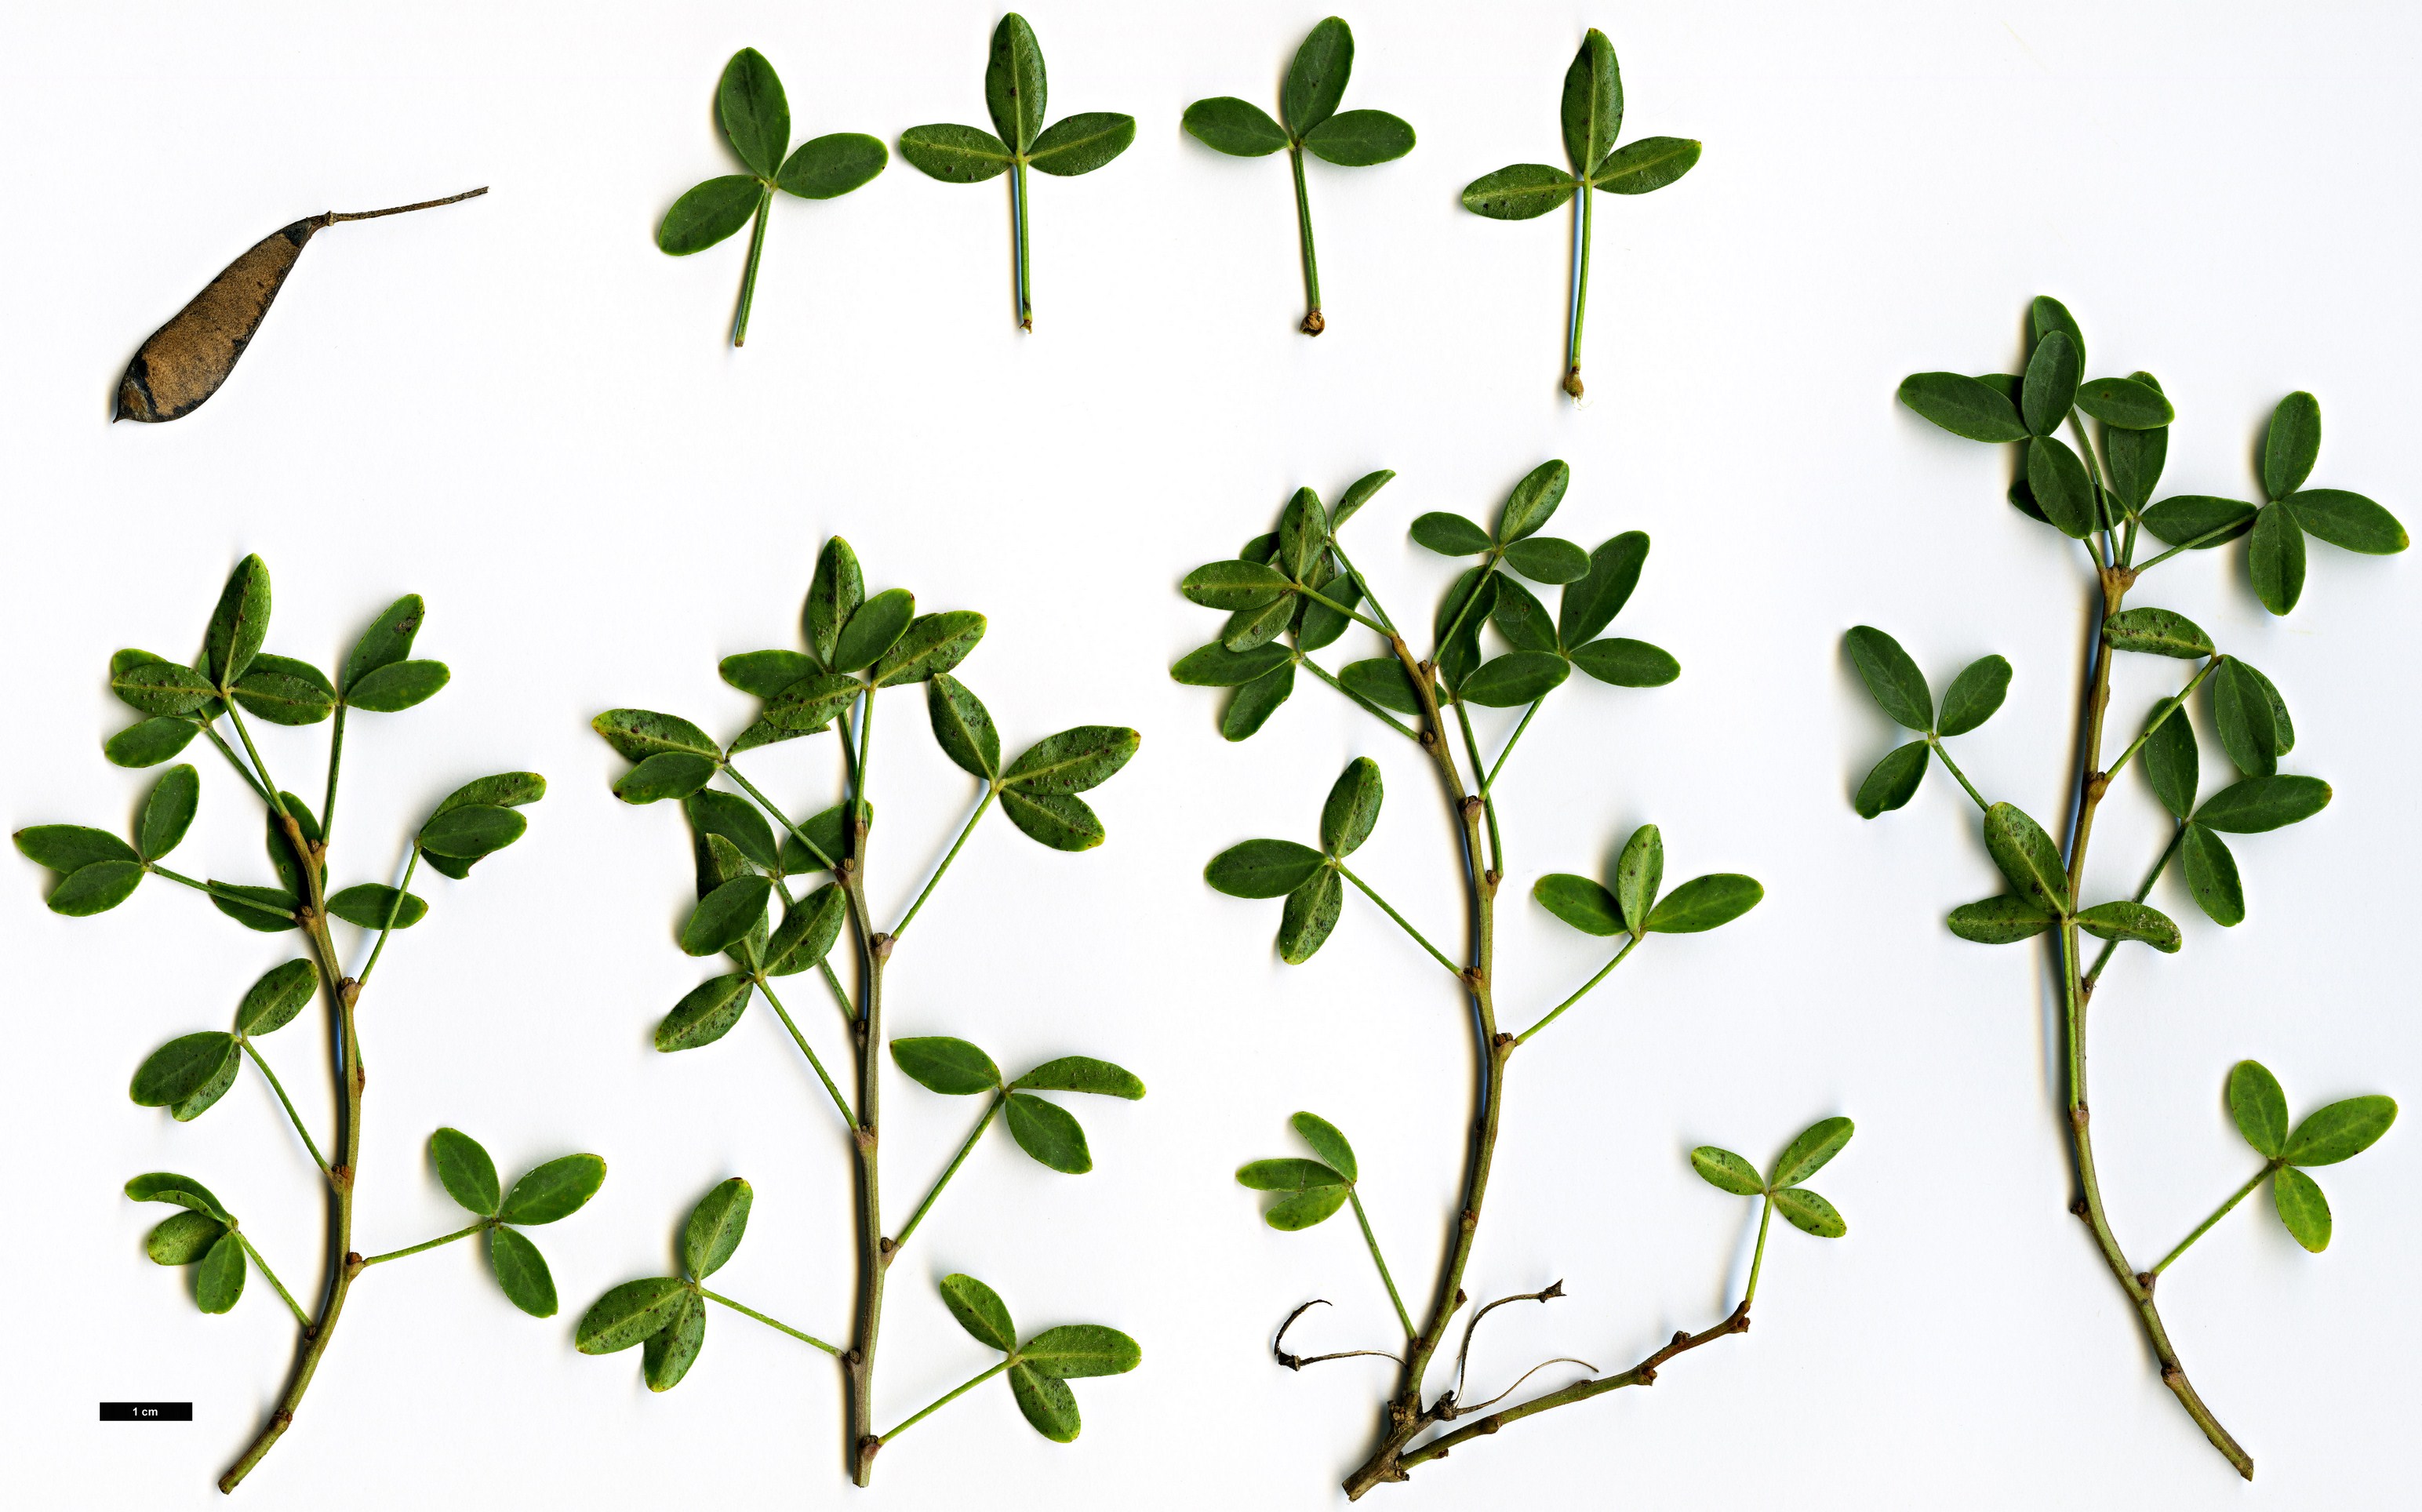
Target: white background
{"x": 520, "y": 409}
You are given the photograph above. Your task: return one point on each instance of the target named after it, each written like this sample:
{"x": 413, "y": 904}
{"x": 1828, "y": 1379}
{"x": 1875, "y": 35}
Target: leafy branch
{"x": 2105, "y": 501}
{"x": 748, "y": 854}
{"x": 191, "y": 1072}
{"x": 1295, "y": 591}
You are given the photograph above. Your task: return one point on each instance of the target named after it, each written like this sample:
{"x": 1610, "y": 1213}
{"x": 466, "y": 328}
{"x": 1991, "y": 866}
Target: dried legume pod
{"x": 185, "y": 360}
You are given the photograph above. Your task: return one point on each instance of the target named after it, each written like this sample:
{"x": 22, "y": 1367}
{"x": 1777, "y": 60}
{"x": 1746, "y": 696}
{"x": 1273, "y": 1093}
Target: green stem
{"x": 1381, "y": 1261}
{"x": 966, "y": 830}
{"x": 943, "y": 1401}
{"x": 215, "y": 891}
{"x": 1436, "y": 954}
{"x": 428, "y": 1244}
{"x": 2176, "y": 837}
{"x": 749, "y": 278}
{"x": 848, "y": 1119}
{"x": 873, "y": 1258}
{"x": 1629, "y": 946}
{"x": 292, "y": 1305}
{"x": 275, "y": 1085}
{"x": 394, "y": 908}
{"x": 1017, "y": 214}
{"x": 1944, "y": 754}
{"x": 335, "y": 760}
{"x": 1487, "y": 804}
{"x": 1764, "y": 1215}
{"x": 973, "y": 1135}
{"x": 777, "y": 1327}
{"x": 1313, "y": 321}
{"x": 1374, "y": 710}
{"x": 1580, "y": 296}
{"x": 1489, "y": 782}
{"x": 2241, "y": 1194}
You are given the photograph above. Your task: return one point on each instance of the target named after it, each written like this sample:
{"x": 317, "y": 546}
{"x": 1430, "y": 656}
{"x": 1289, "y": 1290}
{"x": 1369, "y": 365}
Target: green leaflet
{"x": 2290, "y": 444}
{"x": 1352, "y": 810}
{"x": 981, "y": 1312}
{"x": 1056, "y": 820}
{"x": 2003, "y": 920}
{"x": 1074, "y": 1351}
{"x": 1639, "y": 872}
{"x": 465, "y": 1171}
{"x": 1704, "y": 902}
{"x": 287, "y": 692}
{"x": 1580, "y": 902}
{"x": 1233, "y": 126}
{"x": 1626, "y": 663}
{"x": 1809, "y": 1213}
{"x": 2301, "y": 1206}
{"x": 2259, "y": 1106}
{"x": 1963, "y": 406}
{"x": 2050, "y": 387}
{"x": 1255, "y": 701}
{"x": 950, "y": 1067}
{"x": 668, "y": 1353}
{"x": 1263, "y": 868}
{"x": 962, "y": 727}
{"x": 1892, "y": 677}
{"x": 1329, "y": 1142}
{"x": 1048, "y": 1406}
{"x": 376, "y": 906}
{"x": 705, "y": 1013}
{"x": 554, "y": 1190}
{"x": 1893, "y": 781}
{"x": 2340, "y": 1131}
{"x": 521, "y": 1272}
{"x": 388, "y": 641}
{"x": 628, "y": 1314}
{"x": 1072, "y": 761}
{"x": 2156, "y": 632}
{"x": 2026, "y": 855}
{"x": 716, "y": 1228}
{"x": 1309, "y": 916}
{"x": 218, "y": 1281}
{"x": 1049, "y": 1133}
{"x": 182, "y": 1068}
{"x": 239, "y": 624}
{"x": 272, "y": 1002}
{"x": 1727, "y": 1172}
{"x": 2211, "y": 875}
{"x": 1809, "y": 1151}
{"x": 2263, "y": 803}
{"x": 1974, "y": 696}
{"x": 1081, "y": 1073}
{"x": 2124, "y": 920}
{"x": 151, "y": 742}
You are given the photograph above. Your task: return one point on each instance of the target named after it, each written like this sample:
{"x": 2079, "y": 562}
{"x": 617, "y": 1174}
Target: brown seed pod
{"x": 184, "y": 361}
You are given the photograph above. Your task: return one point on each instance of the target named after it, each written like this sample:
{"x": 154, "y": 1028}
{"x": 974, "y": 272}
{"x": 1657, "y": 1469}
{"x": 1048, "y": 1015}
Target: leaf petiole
{"x": 1580, "y": 291}
{"x": 394, "y": 908}
{"x": 275, "y": 1085}
{"x": 1490, "y": 780}
{"x": 2176, "y": 705}
{"x": 966, "y": 1148}
{"x": 1374, "y": 710}
{"x": 1764, "y": 1215}
{"x": 946, "y": 1399}
{"x": 2238, "y": 1196}
{"x": 782, "y": 1328}
{"x": 848, "y": 1119}
{"x": 292, "y": 1305}
{"x": 969, "y": 829}
{"x": 1953, "y": 767}
{"x": 1629, "y": 946}
{"x": 1436, "y": 954}
{"x": 335, "y": 760}
{"x": 1381, "y": 1261}
{"x": 215, "y": 891}
{"x": 1313, "y": 323}
{"x": 748, "y": 278}
{"x": 427, "y": 1244}
{"x": 2177, "y": 837}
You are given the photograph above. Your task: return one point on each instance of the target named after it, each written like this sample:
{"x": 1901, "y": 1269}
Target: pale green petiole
{"x": 275, "y": 1085}
{"x": 1953, "y": 767}
{"x": 781, "y": 1327}
{"x": 2241, "y": 1194}
{"x": 1629, "y": 946}
{"x": 300, "y": 1316}
{"x": 966, "y": 1148}
{"x": 428, "y": 1244}
{"x": 947, "y": 1399}
{"x": 1436, "y": 954}
{"x": 848, "y": 1119}
{"x": 1764, "y": 1215}
{"x": 1381, "y": 1261}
